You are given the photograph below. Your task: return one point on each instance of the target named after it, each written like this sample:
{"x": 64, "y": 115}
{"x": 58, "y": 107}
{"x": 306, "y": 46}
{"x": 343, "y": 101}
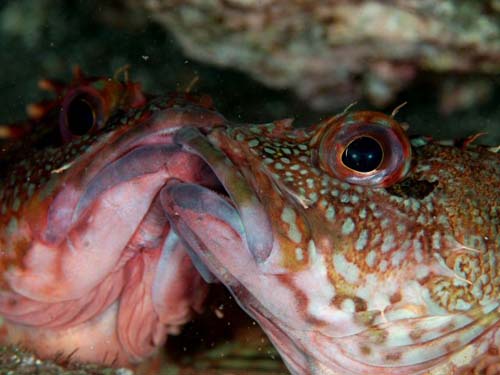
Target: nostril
{"x": 412, "y": 188}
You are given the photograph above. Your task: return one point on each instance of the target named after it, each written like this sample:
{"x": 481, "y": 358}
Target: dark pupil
{"x": 363, "y": 155}
{"x": 80, "y": 116}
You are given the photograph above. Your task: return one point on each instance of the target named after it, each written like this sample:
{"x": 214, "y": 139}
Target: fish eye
{"x": 81, "y": 113}
{"x": 363, "y": 148}
{"x": 80, "y": 116}
{"x": 364, "y": 154}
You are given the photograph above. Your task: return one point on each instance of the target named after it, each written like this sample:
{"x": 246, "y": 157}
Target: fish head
{"x": 89, "y": 267}
{"x": 357, "y": 249}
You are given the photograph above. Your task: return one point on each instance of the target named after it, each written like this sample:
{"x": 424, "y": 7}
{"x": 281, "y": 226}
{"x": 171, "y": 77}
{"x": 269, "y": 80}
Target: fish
{"x": 90, "y": 269}
{"x": 357, "y": 249}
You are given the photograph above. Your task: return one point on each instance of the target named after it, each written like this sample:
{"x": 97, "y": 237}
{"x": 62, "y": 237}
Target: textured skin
{"x": 360, "y": 279}
{"x": 390, "y": 272}
{"x": 89, "y": 267}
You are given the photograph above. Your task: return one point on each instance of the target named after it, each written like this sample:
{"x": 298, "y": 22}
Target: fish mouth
{"x": 96, "y": 206}
{"x": 202, "y": 177}
{"x": 250, "y": 217}
{"x": 146, "y": 162}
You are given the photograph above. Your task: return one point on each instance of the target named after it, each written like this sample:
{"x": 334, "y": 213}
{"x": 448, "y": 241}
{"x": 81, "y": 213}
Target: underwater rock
{"x": 18, "y": 361}
{"x": 332, "y": 52}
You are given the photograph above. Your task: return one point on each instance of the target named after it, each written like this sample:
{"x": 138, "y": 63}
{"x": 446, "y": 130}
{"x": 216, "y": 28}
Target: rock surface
{"x": 333, "y": 52}
{"x": 16, "y": 361}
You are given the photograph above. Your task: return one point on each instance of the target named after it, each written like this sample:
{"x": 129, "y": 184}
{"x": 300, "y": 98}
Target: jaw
{"x": 212, "y": 228}
{"x": 222, "y": 230}
{"x": 88, "y": 214}
{"x": 107, "y": 276}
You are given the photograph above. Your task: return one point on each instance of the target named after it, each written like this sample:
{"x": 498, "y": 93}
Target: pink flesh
{"x": 115, "y": 286}
{"x": 213, "y": 229}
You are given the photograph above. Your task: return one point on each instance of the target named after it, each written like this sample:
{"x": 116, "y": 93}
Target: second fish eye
{"x": 80, "y": 116}
{"x": 82, "y": 112}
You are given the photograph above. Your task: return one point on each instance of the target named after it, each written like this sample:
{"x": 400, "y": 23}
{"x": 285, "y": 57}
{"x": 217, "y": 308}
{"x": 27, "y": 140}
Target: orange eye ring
{"x": 381, "y": 150}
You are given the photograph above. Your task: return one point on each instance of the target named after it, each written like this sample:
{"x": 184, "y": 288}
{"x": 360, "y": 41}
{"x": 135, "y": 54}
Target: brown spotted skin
{"x": 391, "y": 272}
{"x": 394, "y": 278}
{"x": 32, "y": 167}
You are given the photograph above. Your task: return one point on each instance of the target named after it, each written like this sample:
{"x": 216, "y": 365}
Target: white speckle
{"x": 288, "y": 216}
{"x": 299, "y": 254}
{"x": 349, "y": 271}
{"x": 398, "y": 337}
{"x": 325, "y": 181}
{"x": 415, "y": 205}
{"x": 464, "y": 357}
{"x": 421, "y": 219}
{"x": 330, "y": 213}
{"x": 430, "y": 206}
{"x": 345, "y": 186}
{"x": 345, "y": 198}
{"x": 442, "y": 219}
{"x": 311, "y": 250}
{"x": 348, "y": 306}
{"x": 462, "y": 305}
{"x": 383, "y": 266}
{"x": 397, "y": 257}
{"x": 417, "y": 251}
{"x": 348, "y": 226}
{"x": 313, "y": 197}
{"x": 253, "y": 142}
{"x": 370, "y": 258}
{"x": 362, "y": 213}
{"x": 436, "y": 240}
{"x": 302, "y": 147}
{"x": 406, "y": 245}
{"x": 388, "y": 243}
{"x": 362, "y": 240}
{"x": 319, "y": 301}
{"x": 347, "y": 209}
{"x": 384, "y": 224}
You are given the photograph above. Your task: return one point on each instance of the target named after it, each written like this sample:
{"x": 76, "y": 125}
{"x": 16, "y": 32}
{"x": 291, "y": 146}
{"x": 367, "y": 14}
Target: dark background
{"x": 45, "y": 38}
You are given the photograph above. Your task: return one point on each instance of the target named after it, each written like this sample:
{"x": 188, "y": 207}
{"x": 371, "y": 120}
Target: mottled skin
{"x": 378, "y": 276}
{"x": 89, "y": 268}
{"x": 391, "y": 271}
